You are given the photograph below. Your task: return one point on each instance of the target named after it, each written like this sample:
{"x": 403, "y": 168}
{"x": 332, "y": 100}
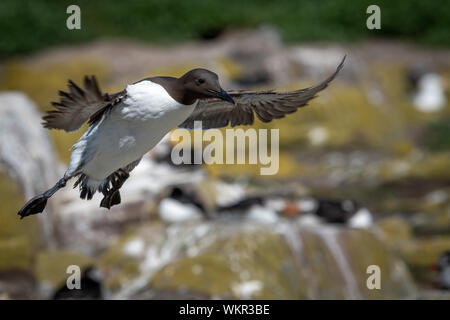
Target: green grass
{"x": 27, "y": 26}
{"x": 437, "y": 135}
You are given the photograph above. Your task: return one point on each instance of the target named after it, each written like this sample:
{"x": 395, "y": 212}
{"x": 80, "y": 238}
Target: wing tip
{"x": 341, "y": 64}
{"x": 342, "y": 61}
{"x": 338, "y": 69}
{"x": 325, "y": 83}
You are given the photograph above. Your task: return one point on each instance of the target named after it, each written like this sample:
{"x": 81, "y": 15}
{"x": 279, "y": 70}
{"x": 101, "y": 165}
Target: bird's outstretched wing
{"x": 267, "y": 105}
{"x": 78, "y": 106}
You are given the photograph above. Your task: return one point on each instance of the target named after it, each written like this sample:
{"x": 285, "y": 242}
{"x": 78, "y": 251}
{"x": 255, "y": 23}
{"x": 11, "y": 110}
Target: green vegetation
{"x": 438, "y": 135}
{"x": 27, "y": 26}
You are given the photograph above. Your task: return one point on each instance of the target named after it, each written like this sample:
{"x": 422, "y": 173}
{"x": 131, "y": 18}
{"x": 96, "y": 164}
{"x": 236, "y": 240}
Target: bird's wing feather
{"x": 267, "y": 105}
{"x": 78, "y": 105}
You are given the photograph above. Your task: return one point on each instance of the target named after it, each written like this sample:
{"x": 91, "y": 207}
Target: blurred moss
{"x": 435, "y": 166}
{"x": 357, "y": 242}
{"x": 119, "y": 266}
{"x": 15, "y": 253}
{"x": 313, "y": 270}
{"x": 394, "y": 230}
{"x": 174, "y": 70}
{"x": 287, "y": 167}
{"x": 264, "y": 256}
{"x": 403, "y": 148}
{"x": 345, "y": 114}
{"x": 19, "y": 239}
{"x": 322, "y": 265}
{"x": 232, "y": 69}
{"x": 51, "y": 266}
{"x": 41, "y": 84}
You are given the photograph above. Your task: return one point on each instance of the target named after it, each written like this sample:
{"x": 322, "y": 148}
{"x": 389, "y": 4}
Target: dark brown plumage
{"x": 267, "y": 105}
{"x": 78, "y": 106}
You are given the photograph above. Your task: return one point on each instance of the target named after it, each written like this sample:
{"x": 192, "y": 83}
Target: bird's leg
{"x": 38, "y": 203}
{"x": 112, "y": 197}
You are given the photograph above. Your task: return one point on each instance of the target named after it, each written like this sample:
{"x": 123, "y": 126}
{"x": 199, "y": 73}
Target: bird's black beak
{"x": 222, "y": 94}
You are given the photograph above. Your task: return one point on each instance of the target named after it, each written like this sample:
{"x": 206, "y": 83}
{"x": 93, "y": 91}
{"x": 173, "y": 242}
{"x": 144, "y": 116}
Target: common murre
{"x": 126, "y": 125}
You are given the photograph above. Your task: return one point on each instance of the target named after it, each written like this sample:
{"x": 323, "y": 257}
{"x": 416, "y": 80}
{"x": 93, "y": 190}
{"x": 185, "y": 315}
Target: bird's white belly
{"x": 130, "y": 130}
{"x": 118, "y": 146}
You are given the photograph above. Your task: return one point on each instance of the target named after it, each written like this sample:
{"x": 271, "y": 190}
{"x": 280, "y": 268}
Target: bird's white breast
{"x": 131, "y": 129}
{"x": 148, "y": 100}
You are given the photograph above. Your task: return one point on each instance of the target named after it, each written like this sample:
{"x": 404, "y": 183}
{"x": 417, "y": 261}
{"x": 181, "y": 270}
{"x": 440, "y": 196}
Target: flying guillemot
{"x": 126, "y": 125}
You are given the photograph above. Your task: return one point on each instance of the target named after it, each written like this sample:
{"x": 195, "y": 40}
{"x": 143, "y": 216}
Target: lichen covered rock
{"x": 228, "y": 259}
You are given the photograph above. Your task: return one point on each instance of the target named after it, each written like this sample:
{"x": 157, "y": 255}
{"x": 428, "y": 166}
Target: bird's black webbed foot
{"x": 38, "y": 203}
{"x": 111, "y": 199}
{"x": 115, "y": 198}
{"x": 34, "y": 206}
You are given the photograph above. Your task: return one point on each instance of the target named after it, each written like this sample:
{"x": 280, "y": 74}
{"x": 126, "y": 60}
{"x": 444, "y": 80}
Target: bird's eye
{"x": 200, "y": 81}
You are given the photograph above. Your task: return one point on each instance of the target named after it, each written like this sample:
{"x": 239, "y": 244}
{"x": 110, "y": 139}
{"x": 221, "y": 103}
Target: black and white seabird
{"x": 258, "y": 208}
{"x": 180, "y": 206}
{"x": 443, "y": 267}
{"x": 344, "y": 212}
{"x": 126, "y": 125}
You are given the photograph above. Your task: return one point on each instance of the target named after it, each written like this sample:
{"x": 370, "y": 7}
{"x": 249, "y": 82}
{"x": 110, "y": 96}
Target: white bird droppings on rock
{"x": 134, "y": 248}
{"x": 318, "y": 136}
{"x": 246, "y": 290}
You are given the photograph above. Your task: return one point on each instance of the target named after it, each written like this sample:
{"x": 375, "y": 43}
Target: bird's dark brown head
{"x": 203, "y": 84}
